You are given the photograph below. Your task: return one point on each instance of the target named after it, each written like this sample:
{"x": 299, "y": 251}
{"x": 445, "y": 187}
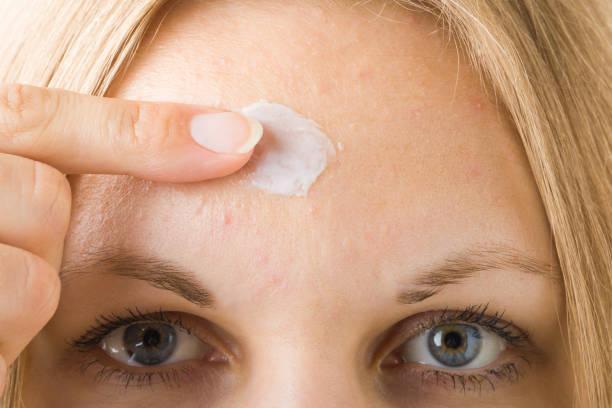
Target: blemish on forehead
{"x": 474, "y": 171}
{"x": 262, "y": 259}
{"x": 273, "y": 281}
{"x": 227, "y": 217}
{"x": 365, "y": 73}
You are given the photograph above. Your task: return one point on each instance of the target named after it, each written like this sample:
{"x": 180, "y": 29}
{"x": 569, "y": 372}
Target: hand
{"x": 46, "y": 134}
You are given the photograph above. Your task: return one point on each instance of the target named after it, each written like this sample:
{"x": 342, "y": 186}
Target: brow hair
{"x": 463, "y": 265}
{"x": 158, "y": 273}
{"x": 167, "y": 275}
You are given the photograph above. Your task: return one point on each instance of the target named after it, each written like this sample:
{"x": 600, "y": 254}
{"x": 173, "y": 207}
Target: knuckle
{"x": 50, "y": 195}
{"x": 12, "y": 97}
{"x": 146, "y": 127}
{"x": 7, "y": 168}
{"x": 25, "y": 112}
{"x": 40, "y": 292}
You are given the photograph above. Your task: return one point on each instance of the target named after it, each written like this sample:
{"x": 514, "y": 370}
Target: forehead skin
{"x": 428, "y": 161}
{"x": 429, "y": 165}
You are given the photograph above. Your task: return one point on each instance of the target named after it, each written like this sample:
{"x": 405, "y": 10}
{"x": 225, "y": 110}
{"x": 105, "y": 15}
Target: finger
{"x": 159, "y": 141}
{"x": 3, "y": 374}
{"x": 29, "y": 294}
{"x": 35, "y": 207}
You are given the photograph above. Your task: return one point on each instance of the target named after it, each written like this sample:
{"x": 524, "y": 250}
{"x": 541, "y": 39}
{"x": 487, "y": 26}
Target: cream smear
{"x": 292, "y": 153}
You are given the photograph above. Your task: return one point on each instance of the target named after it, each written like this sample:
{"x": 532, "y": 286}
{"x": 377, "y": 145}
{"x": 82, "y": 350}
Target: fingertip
{"x": 225, "y": 132}
{"x": 193, "y": 165}
{"x": 225, "y": 164}
{"x": 255, "y": 134}
{"x": 239, "y": 160}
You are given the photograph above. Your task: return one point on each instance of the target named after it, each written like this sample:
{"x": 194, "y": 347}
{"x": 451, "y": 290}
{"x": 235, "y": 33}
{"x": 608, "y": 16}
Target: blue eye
{"x": 149, "y": 343}
{"x": 153, "y": 343}
{"x": 454, "y": 345}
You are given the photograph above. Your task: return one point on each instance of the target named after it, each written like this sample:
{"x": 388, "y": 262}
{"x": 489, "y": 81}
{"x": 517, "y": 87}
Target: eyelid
{"x": 212, "y": 373}
{"x": 212, "y": 334}
{"x": 395, "y": 336}
{"x": 412, "y": 326}
{"x": 204, "y": 329}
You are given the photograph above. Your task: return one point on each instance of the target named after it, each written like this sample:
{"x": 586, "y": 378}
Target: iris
{"x": 454, "y": 345}
{"x": 149, "y": 343}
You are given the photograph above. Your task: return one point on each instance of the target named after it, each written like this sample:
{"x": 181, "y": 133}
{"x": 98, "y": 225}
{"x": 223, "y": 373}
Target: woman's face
{"x": 416, "y": 273}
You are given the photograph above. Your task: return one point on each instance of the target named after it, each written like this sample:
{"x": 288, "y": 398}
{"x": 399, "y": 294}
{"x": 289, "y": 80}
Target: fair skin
{"x": 303, "y": 303}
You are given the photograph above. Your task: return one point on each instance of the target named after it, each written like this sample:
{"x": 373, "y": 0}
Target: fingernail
{"x": 226, "y": 132}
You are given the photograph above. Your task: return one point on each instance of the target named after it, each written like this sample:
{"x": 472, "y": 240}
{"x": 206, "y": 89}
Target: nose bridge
{"x": 301, "y": 349}
{"x": 301, "y": 371}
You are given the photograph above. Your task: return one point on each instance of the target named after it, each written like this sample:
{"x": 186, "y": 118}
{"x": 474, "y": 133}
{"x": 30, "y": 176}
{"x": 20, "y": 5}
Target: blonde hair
{"x": 548, "y": 62}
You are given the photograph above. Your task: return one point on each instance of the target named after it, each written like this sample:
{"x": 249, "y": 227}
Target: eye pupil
{"x": 453, "y": 340}
{"x": 149, "y": 343}
{"x": 151, "y": 338}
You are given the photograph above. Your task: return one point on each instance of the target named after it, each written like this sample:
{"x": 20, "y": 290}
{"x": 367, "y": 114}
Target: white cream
{"x": 292, "y": 153}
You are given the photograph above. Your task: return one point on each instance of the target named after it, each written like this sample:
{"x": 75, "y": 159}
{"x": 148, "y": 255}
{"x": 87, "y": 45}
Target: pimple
{"x": 227, "y": 217}
{"x": 364, "y": 74}
{"x": 270, "y": 280}
{"x": 324, "y": 87}
{"x": 313, "y": 209}
{"x": 474, "y": 171}
{"x": 262, "y": 259}
{"x": 477, "y": 103}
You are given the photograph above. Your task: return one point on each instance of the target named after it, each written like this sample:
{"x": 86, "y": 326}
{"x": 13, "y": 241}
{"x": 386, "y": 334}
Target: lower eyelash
{"x": 170, "y": 377}
{"x": 509, "y": 370}
{"x": 473, "y": 382}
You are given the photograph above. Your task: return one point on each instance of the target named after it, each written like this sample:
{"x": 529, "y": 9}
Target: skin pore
{"x": 301, "y": 297}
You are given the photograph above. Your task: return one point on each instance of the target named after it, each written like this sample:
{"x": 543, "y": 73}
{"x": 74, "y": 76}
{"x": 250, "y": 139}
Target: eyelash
{"x": 473, "y": 314}
{"x": 474, "y": 382}
{"x": 104, "y": 325}
{"x": 476, "y": 314}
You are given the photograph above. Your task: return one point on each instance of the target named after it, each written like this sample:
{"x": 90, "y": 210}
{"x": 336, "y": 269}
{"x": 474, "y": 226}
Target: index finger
{"x": 78, "y": 133}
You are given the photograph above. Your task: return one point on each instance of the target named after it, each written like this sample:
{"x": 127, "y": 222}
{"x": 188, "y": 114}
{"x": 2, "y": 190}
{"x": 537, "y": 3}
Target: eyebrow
{"x": 170, "y": 276}
{"x": 161, "y": 274}
{"x": 461, "y": 266}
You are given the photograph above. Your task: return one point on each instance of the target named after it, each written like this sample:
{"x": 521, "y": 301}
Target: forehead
{"x": 428, "y": 161}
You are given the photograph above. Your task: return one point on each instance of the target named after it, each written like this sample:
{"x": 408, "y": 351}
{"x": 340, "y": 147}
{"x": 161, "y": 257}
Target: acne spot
{"x": 270, "y": 277}
{"x": 474, "y": 171}
{"x": 273, "y": 282}
{"x": 477, "y": 103}
{"x": 325, "y": 87}
{"x": 313, "y": 209}
{"x": 262, "y": 260}
{"x": 227, "y": 217}
{"x": 276, "y": 280}
{"x": 364, "y": 74}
